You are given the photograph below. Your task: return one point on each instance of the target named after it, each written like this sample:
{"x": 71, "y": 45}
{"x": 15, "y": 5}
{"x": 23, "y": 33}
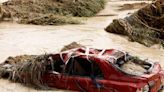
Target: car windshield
{"x": 133, "y": 65}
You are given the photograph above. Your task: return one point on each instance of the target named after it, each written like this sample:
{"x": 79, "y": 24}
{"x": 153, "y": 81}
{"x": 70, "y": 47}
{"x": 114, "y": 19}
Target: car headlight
{"x": 144, "y": 89}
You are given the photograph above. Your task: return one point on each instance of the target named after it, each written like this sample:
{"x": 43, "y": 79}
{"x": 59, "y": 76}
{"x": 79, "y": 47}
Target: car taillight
{"x": 144, "y": 89}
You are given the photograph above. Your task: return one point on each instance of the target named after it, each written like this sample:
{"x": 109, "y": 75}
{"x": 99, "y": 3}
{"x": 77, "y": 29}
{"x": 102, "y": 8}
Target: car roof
{"x": 110, "y": 54}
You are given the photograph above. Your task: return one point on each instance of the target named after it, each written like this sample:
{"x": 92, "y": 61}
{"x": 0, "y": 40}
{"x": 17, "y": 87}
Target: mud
{"x": 133, "y": 6}
{"x": 132, "y": 68}
{"x": 144, "y": 26}
{"x": 135, "y": 66}
{"x": 49, "y": 12}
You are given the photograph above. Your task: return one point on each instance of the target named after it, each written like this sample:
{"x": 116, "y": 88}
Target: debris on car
{"x": 71, "y": 46}
{"x": 133, "y": 67}
{"x": 85, "y": 69}
{"x": 144, "y": 26}
{"x": 26, "y": 69}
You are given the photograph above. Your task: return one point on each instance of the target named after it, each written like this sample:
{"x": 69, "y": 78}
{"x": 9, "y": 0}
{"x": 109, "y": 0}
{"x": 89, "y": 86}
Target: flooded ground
{"x": 17, "y": 39}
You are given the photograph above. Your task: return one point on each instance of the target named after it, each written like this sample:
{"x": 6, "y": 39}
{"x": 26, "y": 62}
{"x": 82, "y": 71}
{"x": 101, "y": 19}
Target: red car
{"x": 94, "y": 70}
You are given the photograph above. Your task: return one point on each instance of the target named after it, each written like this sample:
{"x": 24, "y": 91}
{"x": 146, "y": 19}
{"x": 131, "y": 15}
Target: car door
{"x": 98, "y": 82}
{"x": 75, "y": 76}
{"x": 92, "y": 81}
{"x": 87, "y": 84}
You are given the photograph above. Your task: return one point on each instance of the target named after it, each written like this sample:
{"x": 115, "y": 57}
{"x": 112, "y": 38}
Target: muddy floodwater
{"x": 17, "y": 39}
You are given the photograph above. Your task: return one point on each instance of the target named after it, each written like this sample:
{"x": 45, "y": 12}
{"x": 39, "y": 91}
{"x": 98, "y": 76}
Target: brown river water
{"x": 17, "y": 39}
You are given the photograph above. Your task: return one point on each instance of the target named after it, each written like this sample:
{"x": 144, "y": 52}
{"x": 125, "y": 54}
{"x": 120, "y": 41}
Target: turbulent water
{"x": 17, "y": 39}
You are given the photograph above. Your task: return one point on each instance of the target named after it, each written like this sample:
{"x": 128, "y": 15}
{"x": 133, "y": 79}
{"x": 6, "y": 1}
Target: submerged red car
{"x": 94, "y": 70}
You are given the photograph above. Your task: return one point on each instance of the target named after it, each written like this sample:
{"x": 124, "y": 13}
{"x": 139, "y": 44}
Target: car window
{"x": 82, "y": 67}
{"x": 97, "y": 71}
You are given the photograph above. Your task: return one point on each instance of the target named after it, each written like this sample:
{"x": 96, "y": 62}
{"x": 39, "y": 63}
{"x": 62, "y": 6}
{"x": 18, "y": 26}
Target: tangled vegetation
{"x": 145, "y": 26}
{"x": 26, "y": 69}
{"x": 49, "y": 12}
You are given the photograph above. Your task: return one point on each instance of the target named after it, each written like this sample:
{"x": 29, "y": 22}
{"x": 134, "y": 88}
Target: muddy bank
{"x": 144, "y": 26}
{"x": 49, "y": 12}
